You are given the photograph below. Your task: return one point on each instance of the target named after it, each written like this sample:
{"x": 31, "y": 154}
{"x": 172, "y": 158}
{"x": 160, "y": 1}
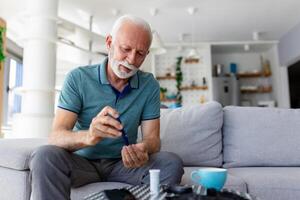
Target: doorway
{"x": 294, "y": 82}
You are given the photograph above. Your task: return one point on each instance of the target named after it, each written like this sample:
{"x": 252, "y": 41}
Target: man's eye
{"x": 141, "y": 53}
{"x": 125, "y": 49}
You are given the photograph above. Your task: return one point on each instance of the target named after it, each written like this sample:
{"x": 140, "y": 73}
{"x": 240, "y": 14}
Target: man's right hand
{"x": 104, "y": 125}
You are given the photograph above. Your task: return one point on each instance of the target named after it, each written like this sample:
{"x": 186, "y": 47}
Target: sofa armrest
{"x": 15, "y": 153}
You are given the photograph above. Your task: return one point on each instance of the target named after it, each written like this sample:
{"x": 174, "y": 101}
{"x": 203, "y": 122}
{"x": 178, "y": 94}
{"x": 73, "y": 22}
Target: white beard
{"x": 114, "y": 64}
{"x": 121, "y": 74}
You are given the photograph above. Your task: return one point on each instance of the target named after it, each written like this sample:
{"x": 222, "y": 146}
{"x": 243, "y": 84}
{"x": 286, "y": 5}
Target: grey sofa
{"x": 260, "y": 147}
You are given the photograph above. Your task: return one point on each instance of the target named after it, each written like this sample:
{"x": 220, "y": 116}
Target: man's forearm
{"x": 153, "y": 146}
{"x": 68, "y": 140}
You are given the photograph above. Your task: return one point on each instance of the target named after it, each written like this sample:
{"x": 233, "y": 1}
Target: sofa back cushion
{"x": 15, "y": 153}
{"x": 193, "y": 133}
{"x": 256, "y": 136}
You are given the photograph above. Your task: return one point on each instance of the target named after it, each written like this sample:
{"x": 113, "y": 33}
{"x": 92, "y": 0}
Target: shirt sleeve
{"x": 70, "y": 97}
{"x": 152, "y": 106}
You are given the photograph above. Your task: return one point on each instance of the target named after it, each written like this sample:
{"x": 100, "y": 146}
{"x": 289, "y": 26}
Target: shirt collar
{"x": 133, "y": 81}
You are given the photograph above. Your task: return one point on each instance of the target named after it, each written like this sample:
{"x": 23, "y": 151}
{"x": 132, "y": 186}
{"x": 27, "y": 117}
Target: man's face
{"x": 130, "y": 46}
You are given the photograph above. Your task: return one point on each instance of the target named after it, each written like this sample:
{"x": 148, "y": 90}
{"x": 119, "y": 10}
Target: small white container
{"x": 154, "y": 181}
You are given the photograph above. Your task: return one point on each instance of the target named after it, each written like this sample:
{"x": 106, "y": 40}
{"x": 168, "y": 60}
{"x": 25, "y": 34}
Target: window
{"x": 13, "y": 79}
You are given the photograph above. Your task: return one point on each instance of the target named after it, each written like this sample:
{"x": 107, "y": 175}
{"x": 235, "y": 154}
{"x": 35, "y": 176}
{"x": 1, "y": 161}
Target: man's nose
{"x": 131, "y": 57}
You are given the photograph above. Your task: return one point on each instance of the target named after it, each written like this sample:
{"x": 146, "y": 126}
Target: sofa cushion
{"x": 82, "y": 192}
{"x": 261, "y": 137}
{"x": 15, "y": 153}
{"x": 193, "y": 133}
{"x": 232, "y": 182}
{"x": 274, "y": 183}
{"x": 14, "y": 184}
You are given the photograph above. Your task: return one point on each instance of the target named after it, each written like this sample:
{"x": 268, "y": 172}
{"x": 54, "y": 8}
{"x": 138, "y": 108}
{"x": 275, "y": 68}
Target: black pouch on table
{"x": 119, "y": 194}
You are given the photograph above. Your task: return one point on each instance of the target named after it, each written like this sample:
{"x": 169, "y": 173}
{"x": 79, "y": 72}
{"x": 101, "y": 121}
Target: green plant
{"x": 2, "y": 56}
{"x": 163, "y": 90}
{"x": 178, "y": 81}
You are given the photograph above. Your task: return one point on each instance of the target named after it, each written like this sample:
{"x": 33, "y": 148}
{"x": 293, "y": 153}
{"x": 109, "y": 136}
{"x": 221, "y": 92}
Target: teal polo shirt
{"x": 86, "y": 91}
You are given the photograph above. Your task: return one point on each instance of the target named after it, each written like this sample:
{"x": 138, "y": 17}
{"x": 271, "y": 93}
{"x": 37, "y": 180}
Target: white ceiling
{"x": 215, "y": 20}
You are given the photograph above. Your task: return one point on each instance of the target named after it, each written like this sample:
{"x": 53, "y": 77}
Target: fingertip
{"x": 115, "y": 114}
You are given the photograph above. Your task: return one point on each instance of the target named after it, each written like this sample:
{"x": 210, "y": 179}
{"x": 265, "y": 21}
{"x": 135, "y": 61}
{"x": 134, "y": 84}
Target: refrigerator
{"x": 226, "y": 90}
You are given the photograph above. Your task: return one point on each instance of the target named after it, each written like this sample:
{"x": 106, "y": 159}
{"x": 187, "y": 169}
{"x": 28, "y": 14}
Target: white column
{"x": 39, "y": 62}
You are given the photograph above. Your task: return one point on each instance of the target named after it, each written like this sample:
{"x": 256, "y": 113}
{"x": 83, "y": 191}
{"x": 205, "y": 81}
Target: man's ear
{"x": 108, "y": 41}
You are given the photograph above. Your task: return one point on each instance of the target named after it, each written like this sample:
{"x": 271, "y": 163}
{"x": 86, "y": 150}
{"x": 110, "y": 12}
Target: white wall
{"x": 244, "y": 61}
{"x": 279, "y": 78}
{"x": 289, "y": 47}
{"x": 147, "y": 64}
{"x": 191, "y": 72}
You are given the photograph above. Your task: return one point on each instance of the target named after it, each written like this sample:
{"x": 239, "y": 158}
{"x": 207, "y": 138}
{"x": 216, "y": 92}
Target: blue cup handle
{"x": 195, "y": 177}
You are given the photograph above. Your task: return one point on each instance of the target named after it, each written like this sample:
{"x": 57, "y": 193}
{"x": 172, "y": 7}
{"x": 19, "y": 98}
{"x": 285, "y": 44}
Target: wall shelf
{"x": 166, "y": 78}
{"x": 252, "y": 75}
{"x": 168, "y": 100}
{"x": 194, "y": 88}
{"x": 191, "y": 60}
{"x": 258, "y": 90}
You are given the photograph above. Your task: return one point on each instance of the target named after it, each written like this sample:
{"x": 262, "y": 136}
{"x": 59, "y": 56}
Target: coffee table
{"x": 142, "y": 192}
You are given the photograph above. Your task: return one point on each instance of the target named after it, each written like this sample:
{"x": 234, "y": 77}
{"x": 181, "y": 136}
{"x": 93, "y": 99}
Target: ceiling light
{"x": 256, "y": 35}
{"x": 180, "y": 48}
{"x": 246, "y": 47}
{"x": 193, "y": 52}
{"x": 153, "y": 11}
{"x": 183, "y": 36}
{"x": 115, "y": 12}
{"x": 156, "y": 45}
{"x": 192, "y": 10}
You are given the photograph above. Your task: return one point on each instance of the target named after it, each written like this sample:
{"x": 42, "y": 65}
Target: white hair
{"x": 136, "y": 20}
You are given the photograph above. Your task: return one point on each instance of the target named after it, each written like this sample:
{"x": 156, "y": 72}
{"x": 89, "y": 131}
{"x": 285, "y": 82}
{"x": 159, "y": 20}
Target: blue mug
{"x": 210, "y": 177}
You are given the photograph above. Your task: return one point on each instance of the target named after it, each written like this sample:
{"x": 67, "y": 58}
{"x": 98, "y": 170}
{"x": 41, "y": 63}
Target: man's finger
{"x": 128, "y": 159}
{"x": 108, "y": 120}
{"x": 133, "y": 155}
{"x": 107, "y": 110}
{"x": 99, "y": 133}
{"x": 108, "y": 130}
{"x": 125, "y": 158}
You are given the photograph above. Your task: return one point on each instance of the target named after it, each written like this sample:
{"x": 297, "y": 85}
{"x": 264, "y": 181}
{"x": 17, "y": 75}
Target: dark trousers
{"x": 54, "y": 171}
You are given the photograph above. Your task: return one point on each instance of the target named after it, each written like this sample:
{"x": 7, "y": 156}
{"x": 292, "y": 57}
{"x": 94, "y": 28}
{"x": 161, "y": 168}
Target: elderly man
{"x": 100, "y": 107}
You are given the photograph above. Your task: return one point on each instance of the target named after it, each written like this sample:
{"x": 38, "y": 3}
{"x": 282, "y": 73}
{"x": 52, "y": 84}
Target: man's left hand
{"x": 135, "y": 155}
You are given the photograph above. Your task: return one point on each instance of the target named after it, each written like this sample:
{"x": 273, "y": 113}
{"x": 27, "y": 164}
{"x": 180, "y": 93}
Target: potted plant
{"x": 178, "y": 81}
{"x": 163, "y": 92}
{"x": 2, "y": 56}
